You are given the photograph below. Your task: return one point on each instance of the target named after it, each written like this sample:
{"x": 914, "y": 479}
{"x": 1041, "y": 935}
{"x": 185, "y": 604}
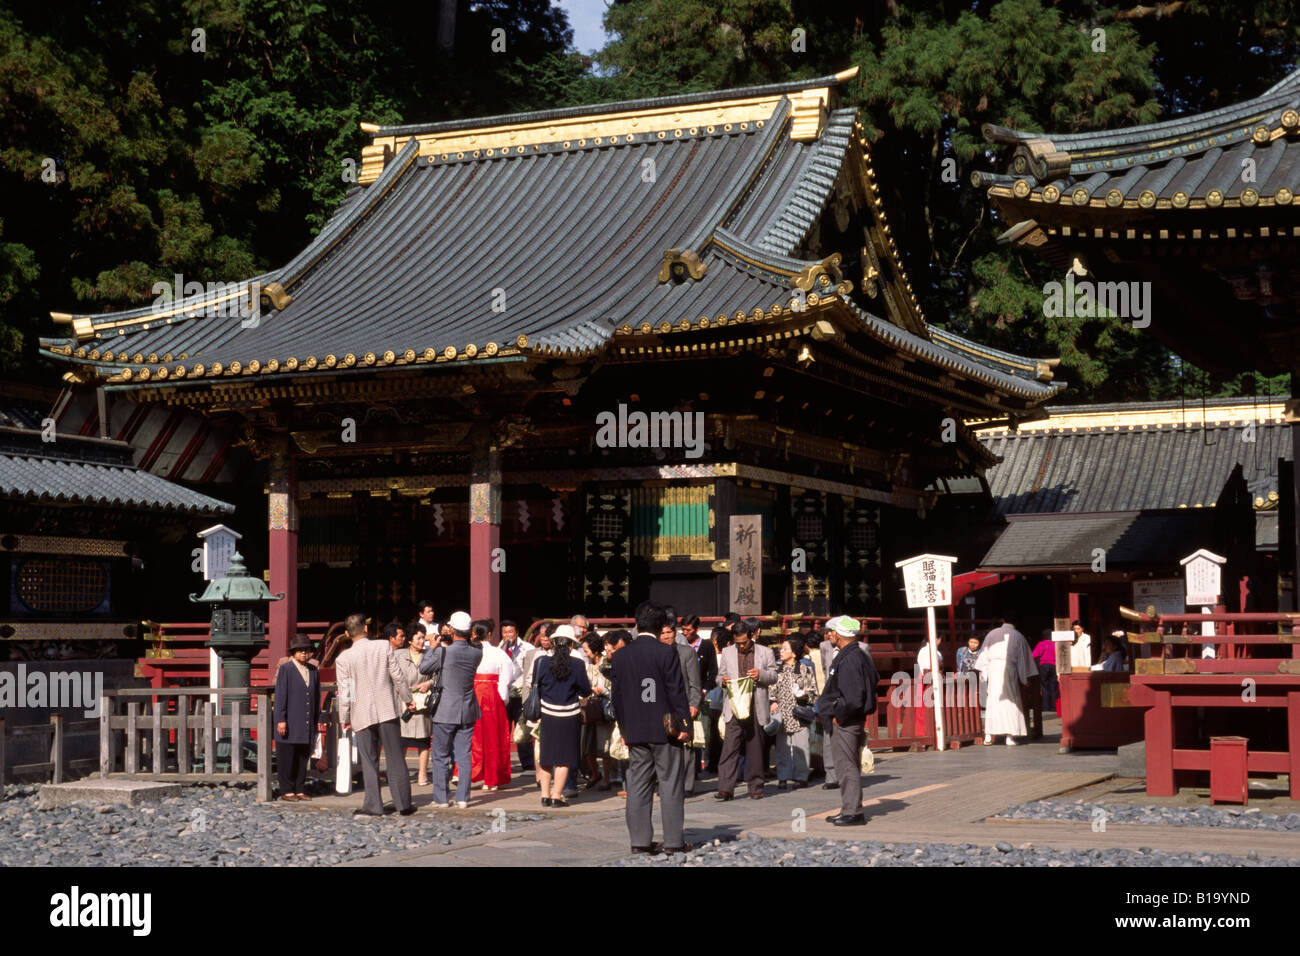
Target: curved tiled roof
{"x": 1189, "y": 162}
{"x": 547, "y": 247}
{"x": 1131, "y": 468}
{"x": 86, "y": 471}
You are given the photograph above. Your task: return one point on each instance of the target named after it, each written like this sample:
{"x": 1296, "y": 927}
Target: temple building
{"x": 428, "y": 387}
{"x": 1095, "y": 506}
{"x": 81, "y": 530}
{"x": 1195, "y": 219}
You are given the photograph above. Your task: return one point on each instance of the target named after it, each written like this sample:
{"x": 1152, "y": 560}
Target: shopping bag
{"x": 318, "y": 751}
{"x": 343, "y": 766}
{"x": 520, "y": 733}
{"x": 741, "y": 692}
{"x": 617, "y": 745}
{"x": 699, "y": 741}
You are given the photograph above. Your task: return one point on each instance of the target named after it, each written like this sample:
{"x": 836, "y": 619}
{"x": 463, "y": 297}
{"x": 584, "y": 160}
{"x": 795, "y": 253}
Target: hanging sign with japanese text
{"x": 746, "y": 557}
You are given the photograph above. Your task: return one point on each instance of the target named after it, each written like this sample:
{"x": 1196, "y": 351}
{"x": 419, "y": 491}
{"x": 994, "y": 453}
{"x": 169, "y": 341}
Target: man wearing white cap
{"x": 453, "y": 671}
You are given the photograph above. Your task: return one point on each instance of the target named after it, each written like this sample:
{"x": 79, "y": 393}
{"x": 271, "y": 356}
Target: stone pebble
{"x": 816, "y": 851}
{"x": 1245, "y": 818}
{"x": 217, "y": 826}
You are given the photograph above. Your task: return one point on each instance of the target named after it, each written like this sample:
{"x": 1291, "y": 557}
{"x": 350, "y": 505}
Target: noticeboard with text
{"x": 1163, "y": 594}
{"x": 1204, "y": 571}
{"x": 927, "y": 579}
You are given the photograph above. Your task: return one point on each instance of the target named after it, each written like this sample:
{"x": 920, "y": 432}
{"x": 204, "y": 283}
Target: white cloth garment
{"x": 1081, "y": 652}
{"x": 923, "y": 659}
{"x": 1006, "y": 663}
{"x": 498, "y": 662}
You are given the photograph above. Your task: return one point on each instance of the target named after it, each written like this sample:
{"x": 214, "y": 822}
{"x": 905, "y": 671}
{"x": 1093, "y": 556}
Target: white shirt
{"x": 1081, "y": 653}
{"x": 497, "y": 661}
{"x": 521, "y": 659}
{"x": 923, "y": 659}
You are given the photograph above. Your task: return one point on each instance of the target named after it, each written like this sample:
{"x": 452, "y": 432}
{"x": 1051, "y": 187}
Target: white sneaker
{"x": 461, "y": 804}
{"x": 1011, "y": 741}
{"x": 988, "y": 739}
{"x": 490, "y": 789}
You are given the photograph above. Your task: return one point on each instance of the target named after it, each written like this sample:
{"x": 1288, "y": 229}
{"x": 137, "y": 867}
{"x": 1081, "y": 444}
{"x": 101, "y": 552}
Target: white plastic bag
{"x": 741, "y": 692}
{"x": 699, "y": 741}
{"x": 343, "y": 768}
{"x": 868, "y": 759}
{"x": 617, "y": 745}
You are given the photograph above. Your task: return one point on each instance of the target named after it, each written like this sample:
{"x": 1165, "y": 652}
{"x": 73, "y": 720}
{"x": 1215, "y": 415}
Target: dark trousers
{"x": 648, "y": 764}
{"x": 847, "y": 744}
{"x": 746, "y": 738}
{"x": 291, "y": 764}
{"x": 525, "y": 750}
{"x": 449, "y": 738}
{"x": 1051, "y": 688}
{"x": 389, "y": 736}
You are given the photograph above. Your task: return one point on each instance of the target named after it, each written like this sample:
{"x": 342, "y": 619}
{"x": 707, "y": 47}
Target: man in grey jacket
{"x": 744, "y": 658}
{"x": 372, "y": 693}
{"x": 452, "y": 669}
{"x": 690, "y": 662}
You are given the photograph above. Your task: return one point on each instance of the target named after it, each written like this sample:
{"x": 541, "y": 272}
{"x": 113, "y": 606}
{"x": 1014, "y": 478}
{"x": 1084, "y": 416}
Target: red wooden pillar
{"x": 486, "y": 560}
{"x": 1073, "y": 609}
{"x": 1160, "y": 746}
{"x": 1293, "y": 740}
{"x": 282, "y": 531}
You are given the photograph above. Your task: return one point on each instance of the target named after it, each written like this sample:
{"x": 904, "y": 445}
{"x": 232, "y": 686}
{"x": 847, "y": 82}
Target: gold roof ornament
{"x": 680, "y": 264}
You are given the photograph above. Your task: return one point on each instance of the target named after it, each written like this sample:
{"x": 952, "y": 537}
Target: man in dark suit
{"x": 850, "y": 695}
{"x": 458, "y": 709}
{"x": 647, "y": 685}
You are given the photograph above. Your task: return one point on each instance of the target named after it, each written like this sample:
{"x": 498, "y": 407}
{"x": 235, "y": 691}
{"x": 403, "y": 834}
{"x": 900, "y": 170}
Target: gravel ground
{"x": 215, "y": 826}
{"x": 755, "y": 851}
{"x": 1245, "y": 818}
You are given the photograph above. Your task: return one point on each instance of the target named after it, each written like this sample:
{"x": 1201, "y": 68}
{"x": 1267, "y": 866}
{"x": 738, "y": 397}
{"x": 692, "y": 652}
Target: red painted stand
{"x": 1086, "y": 721}
{"x": 1161, "y": 693}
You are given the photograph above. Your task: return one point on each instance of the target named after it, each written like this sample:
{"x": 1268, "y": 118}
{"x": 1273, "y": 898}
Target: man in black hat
{"x": 648, "y": 686}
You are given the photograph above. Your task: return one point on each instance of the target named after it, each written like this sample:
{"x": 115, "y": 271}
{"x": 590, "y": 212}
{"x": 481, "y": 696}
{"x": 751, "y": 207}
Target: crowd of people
{"x": 645, "y": 711}
{"x": 649, "y": 710}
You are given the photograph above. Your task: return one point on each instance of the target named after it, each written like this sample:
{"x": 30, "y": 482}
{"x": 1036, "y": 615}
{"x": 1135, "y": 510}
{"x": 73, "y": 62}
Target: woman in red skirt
{"x": 490, "y": 750}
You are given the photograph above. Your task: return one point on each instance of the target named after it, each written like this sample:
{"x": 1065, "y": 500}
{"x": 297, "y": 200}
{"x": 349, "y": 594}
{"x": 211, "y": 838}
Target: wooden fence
{"x": 57, "y": 730}
{"x": 150, "y": 740}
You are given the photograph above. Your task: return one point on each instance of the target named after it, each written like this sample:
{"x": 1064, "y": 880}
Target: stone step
{"x": 95, "y": 790}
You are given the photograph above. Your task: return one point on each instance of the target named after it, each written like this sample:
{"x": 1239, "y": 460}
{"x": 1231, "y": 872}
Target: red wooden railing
{"x": 178, "y": 655}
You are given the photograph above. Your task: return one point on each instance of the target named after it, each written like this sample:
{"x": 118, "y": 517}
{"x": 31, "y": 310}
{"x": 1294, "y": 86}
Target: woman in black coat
{"x": 560, "y": 680}
{"x": 296, "y": 712}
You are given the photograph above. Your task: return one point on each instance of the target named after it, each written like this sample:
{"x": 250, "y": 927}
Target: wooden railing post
{"x": 56, "y": 746}
{"x": 263, "y": 751}
{"x": 236, "y": 741}
{"x": 130, "y": 759}
{"x": 183, "y": 735}
{"x": 105, "y": 736}
{"x": 209, "y": 739}
{"x": 159, "y": 748}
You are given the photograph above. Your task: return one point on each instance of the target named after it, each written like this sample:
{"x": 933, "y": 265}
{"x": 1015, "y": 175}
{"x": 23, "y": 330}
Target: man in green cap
{"x": 850, "y": 695}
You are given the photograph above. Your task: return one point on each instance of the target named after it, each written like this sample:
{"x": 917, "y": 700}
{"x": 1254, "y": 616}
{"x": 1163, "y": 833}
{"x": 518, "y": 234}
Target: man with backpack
{"x": 849, "y": 696}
